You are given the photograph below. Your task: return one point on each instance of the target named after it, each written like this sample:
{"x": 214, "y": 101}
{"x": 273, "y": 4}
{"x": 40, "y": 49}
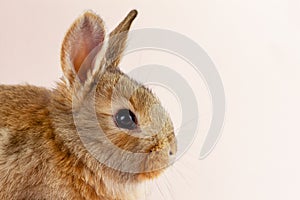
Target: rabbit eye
{"x": 126, "y": 119}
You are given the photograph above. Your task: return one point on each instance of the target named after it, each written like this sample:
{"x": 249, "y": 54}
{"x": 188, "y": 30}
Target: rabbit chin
{"x": 149, "y": 175}
{"x": 150, "y": 168}
{"x": 154, "y": 165}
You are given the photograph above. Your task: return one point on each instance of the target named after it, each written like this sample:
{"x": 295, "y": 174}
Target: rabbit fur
{"x": 42, "y": 156}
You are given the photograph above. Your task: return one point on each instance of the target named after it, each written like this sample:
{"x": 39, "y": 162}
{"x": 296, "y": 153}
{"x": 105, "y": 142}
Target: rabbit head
{"x": 120, "y": 122}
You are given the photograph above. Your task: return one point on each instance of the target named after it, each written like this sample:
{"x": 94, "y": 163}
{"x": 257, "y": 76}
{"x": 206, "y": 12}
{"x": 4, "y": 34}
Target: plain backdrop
{"x": 256, "y": 48}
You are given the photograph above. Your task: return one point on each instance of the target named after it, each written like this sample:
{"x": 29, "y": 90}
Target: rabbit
{"x": 53, "y": 147}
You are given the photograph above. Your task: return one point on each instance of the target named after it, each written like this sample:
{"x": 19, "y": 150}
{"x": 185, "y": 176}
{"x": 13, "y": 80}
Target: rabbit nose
{"x": 173, "y": 149}
{"x": 172, "y": 153}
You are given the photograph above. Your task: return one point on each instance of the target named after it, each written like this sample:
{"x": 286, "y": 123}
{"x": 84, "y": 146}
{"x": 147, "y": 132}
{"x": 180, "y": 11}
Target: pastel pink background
{"x": 255, "y": 46}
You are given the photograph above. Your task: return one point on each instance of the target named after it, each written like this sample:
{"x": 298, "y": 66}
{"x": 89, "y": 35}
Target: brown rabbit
{"x": 51, "y": 146}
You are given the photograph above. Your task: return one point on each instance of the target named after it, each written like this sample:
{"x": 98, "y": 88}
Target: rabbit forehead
{"x": 121, "y": 90}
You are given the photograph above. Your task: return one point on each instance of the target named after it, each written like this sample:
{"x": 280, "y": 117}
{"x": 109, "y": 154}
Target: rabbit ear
{"x": 82, "y": 48}
{"x": 117, "y": 40}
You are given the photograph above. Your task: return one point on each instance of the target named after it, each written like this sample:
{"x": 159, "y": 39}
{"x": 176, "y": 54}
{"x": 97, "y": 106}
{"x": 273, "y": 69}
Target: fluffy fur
{"x": 42, "y": 155}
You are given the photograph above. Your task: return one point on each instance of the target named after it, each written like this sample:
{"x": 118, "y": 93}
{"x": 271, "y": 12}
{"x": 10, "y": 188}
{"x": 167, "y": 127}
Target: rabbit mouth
{"x": 155, "y": 164}
{"x": 159, "y": 158}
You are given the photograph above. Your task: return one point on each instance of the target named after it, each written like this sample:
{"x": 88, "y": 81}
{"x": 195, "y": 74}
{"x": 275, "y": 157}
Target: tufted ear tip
{"x": 133, "y": 13}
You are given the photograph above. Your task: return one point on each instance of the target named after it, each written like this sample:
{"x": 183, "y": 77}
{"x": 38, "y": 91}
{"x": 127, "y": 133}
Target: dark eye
{"x": 126, "y": 119}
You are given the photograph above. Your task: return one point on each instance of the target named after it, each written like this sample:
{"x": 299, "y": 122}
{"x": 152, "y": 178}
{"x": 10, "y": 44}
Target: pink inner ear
{"x": 86, "y": 43}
